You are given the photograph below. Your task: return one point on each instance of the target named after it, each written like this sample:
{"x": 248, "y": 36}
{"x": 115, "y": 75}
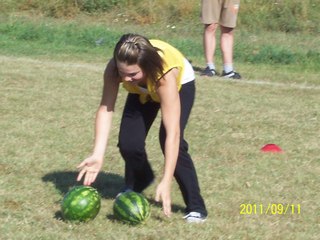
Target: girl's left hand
{"x": 163, "y": 195}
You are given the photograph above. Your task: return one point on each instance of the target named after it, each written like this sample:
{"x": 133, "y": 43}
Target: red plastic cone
{"x": 271, "y": 148}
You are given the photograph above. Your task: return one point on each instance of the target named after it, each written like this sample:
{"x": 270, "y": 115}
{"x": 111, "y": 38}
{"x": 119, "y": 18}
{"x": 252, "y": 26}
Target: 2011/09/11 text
{"x": 271, "y": 208}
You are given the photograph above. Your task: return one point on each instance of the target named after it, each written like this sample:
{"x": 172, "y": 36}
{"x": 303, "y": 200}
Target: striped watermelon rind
{"x": 131, "y": 207}
{"x": 81, "y": 203}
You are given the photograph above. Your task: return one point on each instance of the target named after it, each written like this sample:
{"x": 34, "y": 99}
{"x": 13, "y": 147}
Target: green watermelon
{"x": 131, "y": 207}
{"x": 81, "y": 203}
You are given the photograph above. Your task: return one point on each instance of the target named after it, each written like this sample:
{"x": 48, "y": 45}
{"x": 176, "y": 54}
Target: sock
{"x": 228, "y": 68}
{"x": 211, "y": 66}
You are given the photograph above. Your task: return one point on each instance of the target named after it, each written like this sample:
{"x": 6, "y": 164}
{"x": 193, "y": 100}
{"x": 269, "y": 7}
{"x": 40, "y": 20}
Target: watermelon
{"x": 131, "y": 207}
{"x": 81, "y": 203}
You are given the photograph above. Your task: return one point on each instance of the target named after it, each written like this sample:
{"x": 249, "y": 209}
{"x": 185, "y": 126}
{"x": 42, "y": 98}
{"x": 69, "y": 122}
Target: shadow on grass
{"x": 107, "y": 184}
{"x": 156, "y": 217}
{"x": 197, "y": 69}
{"x": 174, "y": 207}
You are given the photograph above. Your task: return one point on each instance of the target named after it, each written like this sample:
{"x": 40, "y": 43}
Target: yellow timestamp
{"x": 269, "y": 209}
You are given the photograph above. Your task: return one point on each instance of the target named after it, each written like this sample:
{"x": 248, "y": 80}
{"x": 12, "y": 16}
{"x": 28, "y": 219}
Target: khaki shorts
{"x": 223, "y": 12}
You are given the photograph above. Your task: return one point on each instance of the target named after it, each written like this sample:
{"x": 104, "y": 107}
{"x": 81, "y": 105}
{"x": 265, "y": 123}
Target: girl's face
{"x": 130, "y": 73}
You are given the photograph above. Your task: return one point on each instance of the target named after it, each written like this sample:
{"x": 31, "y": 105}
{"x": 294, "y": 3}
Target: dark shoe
{"x": 232, "y": 74}
{"x": 209, "y": 72}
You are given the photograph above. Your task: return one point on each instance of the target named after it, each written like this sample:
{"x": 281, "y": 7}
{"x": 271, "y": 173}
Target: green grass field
{"x": 51, "y": 90}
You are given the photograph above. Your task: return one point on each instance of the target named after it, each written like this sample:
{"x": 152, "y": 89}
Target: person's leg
{"x": 209, "y": 43}
{"x": 226, "y": 42}
{"x": 228, "y": 22}
{"x": 185, "y": 173}
{"x": 136, "y": 121}
{"x": 210, "y": 16}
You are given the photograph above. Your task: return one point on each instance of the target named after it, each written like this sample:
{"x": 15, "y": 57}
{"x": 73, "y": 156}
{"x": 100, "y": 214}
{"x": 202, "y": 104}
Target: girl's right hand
{"x": 89, "y": 168}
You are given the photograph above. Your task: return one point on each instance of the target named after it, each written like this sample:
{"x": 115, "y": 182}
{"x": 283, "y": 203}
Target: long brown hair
{"x": 136, "y": 49}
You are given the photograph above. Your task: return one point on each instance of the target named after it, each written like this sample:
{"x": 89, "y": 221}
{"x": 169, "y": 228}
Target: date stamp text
{"x": 270, "y": 209}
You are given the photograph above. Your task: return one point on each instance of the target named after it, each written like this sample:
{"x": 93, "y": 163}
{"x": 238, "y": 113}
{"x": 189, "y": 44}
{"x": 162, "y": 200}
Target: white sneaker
{"x": 195, "y": 217}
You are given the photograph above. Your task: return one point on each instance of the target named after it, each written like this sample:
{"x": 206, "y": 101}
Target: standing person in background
{"x": 223, "y": 13}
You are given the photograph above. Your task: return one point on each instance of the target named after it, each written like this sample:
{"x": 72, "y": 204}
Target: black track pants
{"x": 136, "y": 121}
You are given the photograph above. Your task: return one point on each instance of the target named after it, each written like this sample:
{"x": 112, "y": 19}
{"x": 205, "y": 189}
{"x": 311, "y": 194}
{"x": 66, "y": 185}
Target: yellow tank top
{"x": 172, "y": 58}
